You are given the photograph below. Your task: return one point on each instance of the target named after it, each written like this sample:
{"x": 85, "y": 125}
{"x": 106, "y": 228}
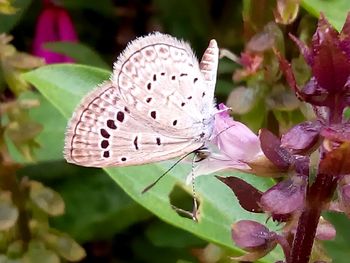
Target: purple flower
{"x": 285, "y": 197}
{"x": 253, "y": 237}
{"x": 53, "y": 24}
{"x": 238, "y": 147}
{"x": 230, "y": 136}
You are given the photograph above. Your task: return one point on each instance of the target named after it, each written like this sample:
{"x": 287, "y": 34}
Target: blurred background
{"x": 80, "y": 213}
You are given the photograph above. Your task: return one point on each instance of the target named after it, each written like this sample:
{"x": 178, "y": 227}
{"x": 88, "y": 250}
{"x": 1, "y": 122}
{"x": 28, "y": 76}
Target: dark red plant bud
{"x": 329, "y": 59}
{"x": 331, "y": 66}
{"x": 285, "y": 197}
{"x": 251, "y": 235}
{"x": 345, "y": 36}
{"x": 335, "y": 162}
{"x": 271, "y": 146}
{"x": 247, "y": 195}
{"x": 302, "y": 137}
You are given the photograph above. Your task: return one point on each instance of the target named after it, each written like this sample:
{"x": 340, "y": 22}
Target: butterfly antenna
{"x": 167, "y": 171}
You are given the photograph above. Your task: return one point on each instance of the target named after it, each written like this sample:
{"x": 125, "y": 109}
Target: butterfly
{"x": 158, "y": 104}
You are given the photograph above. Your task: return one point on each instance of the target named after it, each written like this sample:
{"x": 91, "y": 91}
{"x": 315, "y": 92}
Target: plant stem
{"x": 318, "y": 195}
{"x": 283, "y": 242}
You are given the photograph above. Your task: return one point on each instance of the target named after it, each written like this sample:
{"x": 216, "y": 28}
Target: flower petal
{"x": 302, "y": 137}
{"x": 235, "y": 139}
{"x": 286, "y": 196}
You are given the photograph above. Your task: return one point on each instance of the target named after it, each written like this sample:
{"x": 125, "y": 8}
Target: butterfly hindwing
{"x": 165, "y": 73}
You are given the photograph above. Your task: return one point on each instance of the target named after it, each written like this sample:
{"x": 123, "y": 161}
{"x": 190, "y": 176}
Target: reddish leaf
{"x": 289, "y": 75}
{"x": 248, "y": 196}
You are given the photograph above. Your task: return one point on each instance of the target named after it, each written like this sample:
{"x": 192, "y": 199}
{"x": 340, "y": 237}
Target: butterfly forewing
{"x": 154, "y": 108}
{"x": 104, "y": 132}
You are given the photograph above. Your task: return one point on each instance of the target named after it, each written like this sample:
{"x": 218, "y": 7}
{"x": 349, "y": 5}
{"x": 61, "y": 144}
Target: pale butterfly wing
{"x": 104, "y": 132}
{"x": 165, "y": 73}
{"x": 157, "y": 106}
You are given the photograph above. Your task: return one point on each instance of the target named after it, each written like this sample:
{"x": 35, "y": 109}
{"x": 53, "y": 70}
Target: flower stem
{"x": 282, "y": 241}
{"x": 318, "y": 195}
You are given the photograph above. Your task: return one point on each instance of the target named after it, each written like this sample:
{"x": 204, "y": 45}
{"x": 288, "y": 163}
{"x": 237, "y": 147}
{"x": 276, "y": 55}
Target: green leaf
{"x": 81, "y": 53}
{"x": 8, "y": 212}
{"x": 64, "y": 245}
{"x": 165, "y": 235}
{"x": 51, "y": 138}
{"x": 335, "y": 10}
{"x": 145, "y": 251}
{"x": 104, "y": 7}
{"x": 92, "y": 200}
{"x": 64, "y": 84}
{"x": 47, "y": 199}
{"x": 9, "y": 21}
{"x": 37, "y": 253}
{"x": 177, "y": 15}
{"x": 338, "y": 249}
{"x": 15, "y": 249}
{"x": 219, "y": 207}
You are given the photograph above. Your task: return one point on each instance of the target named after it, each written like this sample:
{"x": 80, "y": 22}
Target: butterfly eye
{"x": 174, "y": 122}
{"x": 158, "y": 141}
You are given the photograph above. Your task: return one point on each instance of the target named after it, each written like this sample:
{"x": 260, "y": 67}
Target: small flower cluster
{"x": 312, "y": 156}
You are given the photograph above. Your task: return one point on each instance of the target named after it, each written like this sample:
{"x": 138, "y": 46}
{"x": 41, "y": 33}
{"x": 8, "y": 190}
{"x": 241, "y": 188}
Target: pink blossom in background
{"x": 53, "y": 24}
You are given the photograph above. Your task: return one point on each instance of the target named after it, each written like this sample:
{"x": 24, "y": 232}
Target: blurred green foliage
{"x": 99, "y": 212}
